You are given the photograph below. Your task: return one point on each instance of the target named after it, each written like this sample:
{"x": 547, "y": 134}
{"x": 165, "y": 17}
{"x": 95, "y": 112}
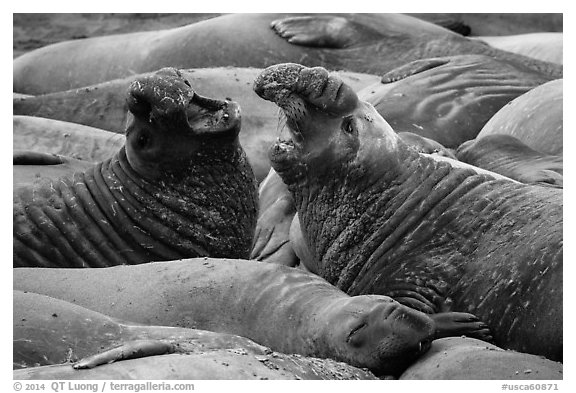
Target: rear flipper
{"x": 130, "y": 350}
{"x": 451, "y": 324}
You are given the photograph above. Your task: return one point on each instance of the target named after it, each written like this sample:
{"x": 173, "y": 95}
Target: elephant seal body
{"x": 542, "y": 46}
{"x": 449, "y": 99}
{"x": 286, "y": 309}
{"x": 458, "y": 358}
{"x": 103, "y": 106}
{"x": 535, "y": 118}
{"x": 510, "y": 157}
{"x": 180, "y": 187}
{"x": 370, "y": 43}
{"x": 44, "y": 135}
{"x": 49, "y": 331}
{"x": 379, "y": 217}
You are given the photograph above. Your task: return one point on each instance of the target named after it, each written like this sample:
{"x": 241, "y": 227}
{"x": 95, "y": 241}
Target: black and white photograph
{"x": 256, "y": 196}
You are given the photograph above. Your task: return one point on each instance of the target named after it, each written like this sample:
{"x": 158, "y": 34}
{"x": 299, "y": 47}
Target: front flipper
{"x": 129, "y": 350}
{"x": 454, "y": 324}
{"x": 323, "y": 31}
{"x": 412, "y": 68}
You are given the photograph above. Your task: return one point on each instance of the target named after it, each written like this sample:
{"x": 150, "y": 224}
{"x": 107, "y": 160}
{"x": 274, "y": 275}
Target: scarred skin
{"x": 180, "y": 187}
{"x": 378, "y": 217}
{"x": 371, "y": 43}
{"x": 49, "y": 331}
{"x": 286, "y": 309}
{"x": 104, "y": 106}
{"x": 449, "y": 99}
{"x": 510, "y": 157}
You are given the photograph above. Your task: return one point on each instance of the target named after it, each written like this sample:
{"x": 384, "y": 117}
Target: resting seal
{"x": 370, "y": 43}
{"x": 283, "y": 308}
{"x": 542, "y": 129}
{"x": 379, "y": 217}
{"x": 510, "y": 157}
{"x": 449, "y": 99}
{"x": 541, "y": 46}
{"x": 181, "y": 187}
{"x": 49, "y": 331}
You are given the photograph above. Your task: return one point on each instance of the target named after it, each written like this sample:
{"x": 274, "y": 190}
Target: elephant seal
{"x": 535, "y": 118}
{"x": 381, "y": 218}
{"x": 542, "y": 46}
{"x": 510, "y": 157}
{"x": 283, "y": 308}
{"x": 49, "y": 331}
{"x": 103, "y": 106}
{"x": 369, "y": 43}
{"x": 457, "y": 358}
{"x": 181, "y": 187}
{"x": 73, "y": 140}
{"x": 448, "y": 99}
{"x": 30, "y": 166}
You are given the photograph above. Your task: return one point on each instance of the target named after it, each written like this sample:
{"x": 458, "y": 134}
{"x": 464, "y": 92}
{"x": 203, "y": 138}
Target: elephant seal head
{"x": 171, "y": 127}
{"x": 329, "y": 129}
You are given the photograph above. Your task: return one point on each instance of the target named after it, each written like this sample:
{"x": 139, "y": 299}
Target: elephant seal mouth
{"x": 167, "y": 100}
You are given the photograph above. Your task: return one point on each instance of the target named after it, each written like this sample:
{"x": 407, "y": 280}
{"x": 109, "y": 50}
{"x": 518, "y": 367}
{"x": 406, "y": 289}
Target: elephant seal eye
{"x": 348, "y": 125}
{"x": 142, "y": 140}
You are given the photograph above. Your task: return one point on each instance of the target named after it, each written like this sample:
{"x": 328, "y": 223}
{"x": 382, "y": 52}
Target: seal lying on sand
{"x": 181, "y": 187}
{"x": 370, "y": 43}
{"x": 381, "y": 218}
{"x": 535, "y": 118}
{"x": 49, "y": 331}
{"x": 103, "y": 106}
{"x": 286, "y": 309}
{"x": 510, "y": 157}
{"x": 449, "y": 99}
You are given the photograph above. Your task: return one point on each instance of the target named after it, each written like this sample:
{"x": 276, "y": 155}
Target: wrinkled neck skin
{"x": 347, "y": 219}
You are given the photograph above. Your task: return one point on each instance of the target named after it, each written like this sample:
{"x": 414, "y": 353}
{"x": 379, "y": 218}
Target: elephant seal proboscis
{"x": 381, "y": 218}
{"x": 449, "y": 99}
{"x": 370, "y": 43}
{"x": 285, "y": 309}
{"x": 181, "y": 187}
{"x": 49, "y": 331}
{"x": 103, "y": 106}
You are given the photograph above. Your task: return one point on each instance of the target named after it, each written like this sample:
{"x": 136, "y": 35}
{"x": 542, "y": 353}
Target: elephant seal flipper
{"x": 413, "y": 68}
{"x": 129, "y": 350}
{"x": 322, "y": 31}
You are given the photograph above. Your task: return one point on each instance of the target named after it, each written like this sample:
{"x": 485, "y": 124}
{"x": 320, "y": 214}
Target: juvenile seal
{"x": 381, "y": 218}
{"x": 370, "y": 43}
{"x": 180, "y": 187}
{"x": 449, "y": 99}
{"x": 49, "y": 331}
{"x": 286, "y": 309}
{"x": 103, "y": 106}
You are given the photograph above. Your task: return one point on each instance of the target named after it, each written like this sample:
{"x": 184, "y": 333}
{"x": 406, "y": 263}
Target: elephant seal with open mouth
{"x": 180, "y": 187}
{"x": 379, "y": 217}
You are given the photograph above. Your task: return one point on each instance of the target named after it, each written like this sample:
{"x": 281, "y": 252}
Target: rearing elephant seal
{"x": 378, "y": 217}
{"x": 180, "y": 187}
